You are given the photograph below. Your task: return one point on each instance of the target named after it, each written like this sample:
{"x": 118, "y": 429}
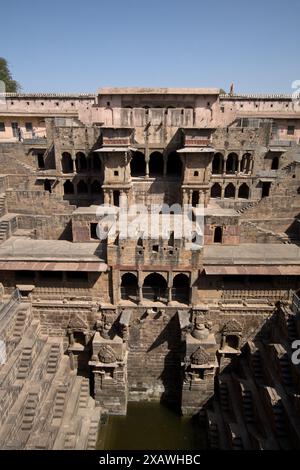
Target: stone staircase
{"x": 2, "y": 205}
{"x": 53, "y": 359}
{"x": 29, "y": 412}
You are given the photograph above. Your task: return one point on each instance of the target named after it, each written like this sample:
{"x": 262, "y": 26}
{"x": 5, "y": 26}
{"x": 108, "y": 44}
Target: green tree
{"x": 11, "y": 86}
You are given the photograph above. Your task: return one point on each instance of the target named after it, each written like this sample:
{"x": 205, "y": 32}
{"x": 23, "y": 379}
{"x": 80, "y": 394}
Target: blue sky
{"x": 76, "y": 46}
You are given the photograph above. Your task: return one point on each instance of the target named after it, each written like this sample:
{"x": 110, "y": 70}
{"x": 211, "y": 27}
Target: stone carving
{"x": 232, "y": 326}
{"x": 200, "y": 330}
{"x": 77, "y": 323}
{"x": 106, "y": 354}
{"x": 200, "y": 357}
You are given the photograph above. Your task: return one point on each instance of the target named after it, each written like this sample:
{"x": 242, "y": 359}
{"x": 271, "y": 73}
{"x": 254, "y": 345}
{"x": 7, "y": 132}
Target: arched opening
{"x": 68, "y": 187}
{"x": 218, "y": 234}
{"x": 129, "y": 287}
{"x": 155, "y": 287}
{"x": 243, "y": 191}
{"x": 275, "y": 163}
{"x": 116, "y": 198}
{"x": 232, "y": 341}
{"x": 137, "y": 164}
{"x": 217, "y": 164}
{"x": 181, "y": 288}
{"x": 96, "y": 187}
{"x": 82, "y": 187}
{"x": 47, "y": 186}
{"x": 156, "y": 164}
{"x": 80, "y": 162}
{"x": 245, "y": 163}
{"x": 229, "y": 191}
{"x": 67, "y": 163}
{"x": 195, "y": 198}
{"x": 232, "y": 163}
{"x": 96, "y": 162}
{"x": 216, "y": 190}
{"x": 174, "y": 165}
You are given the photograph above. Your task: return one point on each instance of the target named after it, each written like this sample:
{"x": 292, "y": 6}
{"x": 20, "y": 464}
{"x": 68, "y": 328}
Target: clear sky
{"x": 77, "y": 46}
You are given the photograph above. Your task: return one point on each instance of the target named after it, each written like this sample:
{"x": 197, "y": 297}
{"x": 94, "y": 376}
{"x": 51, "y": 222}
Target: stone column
{"x": 170, "y": 284}
{"x": 185, "y": 197}
{"x": 225, "y": 160}
{"x": 111, "y": 197}
{"x": 201, "y": 197}
{"x": 239, "y": 163}
{"x": 222, "y": 191}
{"x": 190, "y": 196}
{"x": 147, "y": 167}
{"x": 140, "y": 286}
{"x": 74, "y": 161}
{"x": 165, "y": 165}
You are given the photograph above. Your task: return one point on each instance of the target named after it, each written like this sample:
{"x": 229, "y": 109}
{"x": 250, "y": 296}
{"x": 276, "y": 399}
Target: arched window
{"x": 129, "y": 287}
{"x": 275, "y": 163}
{"x": 218, "y": 235}
{"x": 243, "y": 191}
{"x": 217, "y": 164}
{"x": 67, "y": 163}
{"x": 137, "y": 164}
{"x": 82, "y": 187}
{"x": 96, "y": 187}
{"x": 68, "y": 187}
{"x": 47, "y": 186}
{"x": 216, "y": 190}
{"x": 156, "y": 164}
{"x": 155, "y": 287}
{"x": 232, "y": 163}
{"x": 174, "y": 165}
{"x": 229, "y": 191}
{"x": 246, "y": 163}
{"x": 181, "y": 288}
{"x": 80, "y": 162}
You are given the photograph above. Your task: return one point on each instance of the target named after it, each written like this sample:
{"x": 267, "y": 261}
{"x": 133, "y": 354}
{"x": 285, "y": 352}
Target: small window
{"x": 155, "y": 248}
{"x": 291, "y": 130}
{"x": 93, "y": 231}
{"x": 108, "y": 103}
{"x": 116, "y": 173}
{"x": 57, "y": 103}
{"x": 2, "y": 127}
{"x": 42, "y": 104}
{"x": 28, "y": 126}
{"x": 196, "y": 173}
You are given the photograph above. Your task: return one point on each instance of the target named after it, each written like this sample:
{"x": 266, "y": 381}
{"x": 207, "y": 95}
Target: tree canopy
{"x": 11, "y": 86}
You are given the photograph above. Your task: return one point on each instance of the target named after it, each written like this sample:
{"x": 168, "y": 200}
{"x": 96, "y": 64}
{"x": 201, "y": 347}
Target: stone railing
{"x": 244, "y": 294}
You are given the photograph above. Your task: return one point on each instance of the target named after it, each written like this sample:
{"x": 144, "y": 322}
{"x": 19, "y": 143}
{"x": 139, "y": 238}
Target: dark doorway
{"x": 218, "y": 235}
{"x": 229, "y": 191}
{"x": 137, "y": 164}
{"x": 67, "y": 163}
{"x": 174, "y": 165}
{"x": 195, "y": 198}
{"x": 47, "y": 186}
{"x": 156, "y": 164}
{"x": 82, "y": 187}
{"x": 155, "y": 287}
{"x": 116, "y": 196}
{"x": 266, "y": 186}
{"x": 232, "y": 163}
{"x": 181, "y": 288}
{"x": 243, "y": 191}
{"x": 217, "y": 164}
{"x": 216, "y": 191}
{"x": 41, "y": 161}
{"x": 129, "y": 287}
{"x": 68, "y": 187}
{"x": 275, "y": 163}
{"x": 80, "y": 162}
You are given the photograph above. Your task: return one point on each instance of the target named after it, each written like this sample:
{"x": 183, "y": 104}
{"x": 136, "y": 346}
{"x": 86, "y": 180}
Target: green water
{"x": 150, "y": 426}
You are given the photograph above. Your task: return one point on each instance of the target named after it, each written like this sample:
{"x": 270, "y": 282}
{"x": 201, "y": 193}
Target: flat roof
{"x": 252, "y": 254}
{"x": 157, "y": 91}
{"x": 27, "y": 249}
